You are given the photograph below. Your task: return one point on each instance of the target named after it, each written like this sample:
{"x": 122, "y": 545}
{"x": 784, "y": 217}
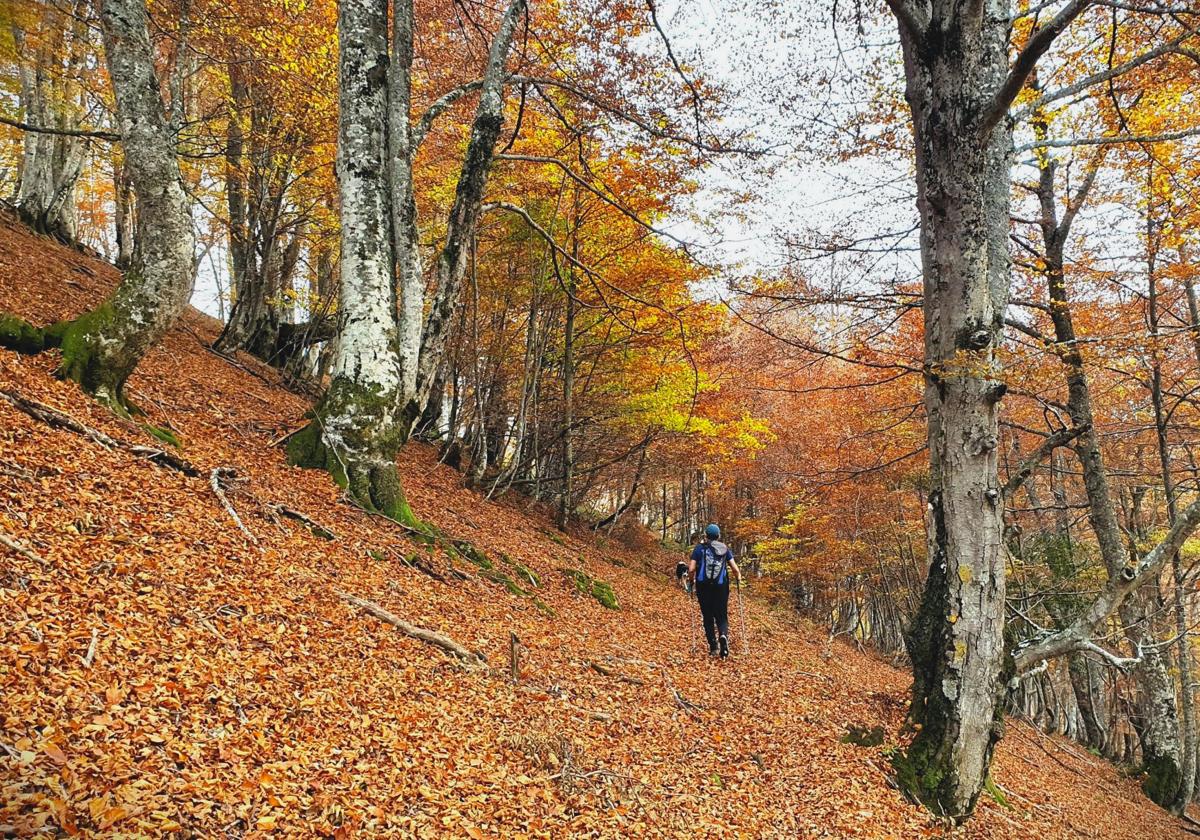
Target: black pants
{"x": 714, "y": 608}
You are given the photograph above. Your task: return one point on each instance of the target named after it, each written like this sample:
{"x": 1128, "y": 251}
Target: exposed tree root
{"x": 214, "y": 481}
{"x": 58, "y": 419}
{"x": 290, "y": 513}
{"x": 471, "y": 660}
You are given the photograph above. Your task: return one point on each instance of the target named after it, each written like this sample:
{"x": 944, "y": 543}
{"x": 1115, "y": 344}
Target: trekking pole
{"x": 691, "y": 620}
{"x": 742, "y": 616}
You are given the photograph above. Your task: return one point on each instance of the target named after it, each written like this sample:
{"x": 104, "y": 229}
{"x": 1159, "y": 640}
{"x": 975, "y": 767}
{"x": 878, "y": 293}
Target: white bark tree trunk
{"x": 355, "y": 433}
{"x": 51, "y": 163}
{"x": 404, "y": 207}
{"x": 387, "y": 358}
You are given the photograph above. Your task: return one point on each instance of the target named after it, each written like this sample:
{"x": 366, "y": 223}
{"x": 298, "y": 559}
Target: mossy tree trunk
{"x": 387, "y": 358}
{"x": 356, "y": 429}
{"x": 101, "y": 348}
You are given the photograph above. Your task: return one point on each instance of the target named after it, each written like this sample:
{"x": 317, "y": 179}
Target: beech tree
{"x": 101, "y": 348}
{"x": 385, "y": 362}
{"x": 52, "y": 48}
{"x": 960, "y": 84}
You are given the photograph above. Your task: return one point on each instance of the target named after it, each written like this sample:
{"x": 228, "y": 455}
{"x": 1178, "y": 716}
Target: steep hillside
{"x": 164, "y": 672}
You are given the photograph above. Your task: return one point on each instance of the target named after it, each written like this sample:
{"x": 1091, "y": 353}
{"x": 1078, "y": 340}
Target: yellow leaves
{"x": 56, "y": 754}
{"x": 112, "y": 816}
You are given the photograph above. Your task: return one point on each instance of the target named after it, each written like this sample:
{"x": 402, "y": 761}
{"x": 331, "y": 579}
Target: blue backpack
{"x": 714, "y": 563}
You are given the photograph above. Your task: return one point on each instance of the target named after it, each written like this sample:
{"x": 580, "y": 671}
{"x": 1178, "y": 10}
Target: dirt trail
{"x": 163, "y": 673}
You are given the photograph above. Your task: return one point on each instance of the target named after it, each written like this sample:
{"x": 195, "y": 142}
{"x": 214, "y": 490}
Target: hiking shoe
{"x": 724, "y": 647}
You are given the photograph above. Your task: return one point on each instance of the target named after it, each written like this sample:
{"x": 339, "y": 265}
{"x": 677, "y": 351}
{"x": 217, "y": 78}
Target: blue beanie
{"x": 712, "y": 532}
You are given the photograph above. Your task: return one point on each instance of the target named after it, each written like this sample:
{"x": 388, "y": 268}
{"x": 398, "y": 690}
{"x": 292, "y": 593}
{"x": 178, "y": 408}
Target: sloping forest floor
{"x": 163, "y": 673}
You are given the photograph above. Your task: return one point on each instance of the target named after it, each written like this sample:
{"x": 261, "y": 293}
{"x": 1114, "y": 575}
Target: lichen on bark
{"x": 353, "y": 435}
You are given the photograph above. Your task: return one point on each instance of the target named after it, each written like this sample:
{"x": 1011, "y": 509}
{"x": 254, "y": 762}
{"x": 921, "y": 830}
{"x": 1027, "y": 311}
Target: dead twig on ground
{"x": 27, "y": 553}
{"x": 16, "y": 472}
{"x": 615, "y": 674}
{"x": 90, "y": 656}
{"x": 214, "y": 481}
{"x": 471, "y": 660}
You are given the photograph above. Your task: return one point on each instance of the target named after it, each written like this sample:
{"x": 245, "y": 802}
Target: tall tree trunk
{"x": 464, "y": 213}
{"x": 263, "y": 241}
{"x": 234, "y": 333}
{"x": 1083, "y": 684}
{"x": 101, "y": 348}
{"x": 375, "y": 398}
{"x": 404, "y": 205}
{"x": 568, "y": 411}
{"x": 1182, "y": 797}
{"x": 1156, "y": 719}
{"x": 956, "y": 640}
{"x": 50, "y": 97}
{"x": 355, "y": 433}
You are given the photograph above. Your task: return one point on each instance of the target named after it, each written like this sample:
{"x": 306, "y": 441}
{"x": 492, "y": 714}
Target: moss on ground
{"x": 522, "y": 571}
{"x": 601, "y": 590}
{"x": 164, "y": 434}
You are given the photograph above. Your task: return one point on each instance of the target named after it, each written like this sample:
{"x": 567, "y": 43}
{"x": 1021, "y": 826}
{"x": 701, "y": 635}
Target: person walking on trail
{"x": 709, "y": 568}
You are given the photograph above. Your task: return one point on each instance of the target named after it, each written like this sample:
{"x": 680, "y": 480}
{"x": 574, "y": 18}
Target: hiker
{"x": 709, "y": 569}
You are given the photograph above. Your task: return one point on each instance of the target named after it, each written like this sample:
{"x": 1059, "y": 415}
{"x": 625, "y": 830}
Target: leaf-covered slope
{"x": 162, "y": 672}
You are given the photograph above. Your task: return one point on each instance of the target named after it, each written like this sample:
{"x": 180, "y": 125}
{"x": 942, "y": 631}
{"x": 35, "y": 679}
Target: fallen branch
{"x": 471, "y": 660}
{"x": 90, "y": 656}
{"x": 56, "y": 418}
{"x": 214, "y": 481}
{"x": 290, "y": 513}
{"x": 27, "y": 553}
{"x": 614, "y": 673}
